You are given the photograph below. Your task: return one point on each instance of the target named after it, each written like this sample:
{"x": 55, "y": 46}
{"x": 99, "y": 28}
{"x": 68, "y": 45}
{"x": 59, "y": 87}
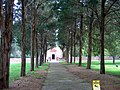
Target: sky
{"x": 15, "y": 1}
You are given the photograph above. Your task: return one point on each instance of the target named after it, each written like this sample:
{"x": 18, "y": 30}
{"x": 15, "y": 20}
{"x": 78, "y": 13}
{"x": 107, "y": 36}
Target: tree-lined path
{"x": 87, "y": 29}
{"x": 59, "y": 78}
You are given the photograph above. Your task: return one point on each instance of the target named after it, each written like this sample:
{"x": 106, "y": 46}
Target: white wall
{"x": 58, "y": 53}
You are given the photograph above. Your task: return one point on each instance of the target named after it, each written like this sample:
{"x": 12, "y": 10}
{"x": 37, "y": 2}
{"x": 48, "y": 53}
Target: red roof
{"x": 53, "y": 50}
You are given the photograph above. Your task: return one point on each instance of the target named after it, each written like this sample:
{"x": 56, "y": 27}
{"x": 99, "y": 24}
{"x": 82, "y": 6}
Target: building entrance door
{"x": 53, "y": 56}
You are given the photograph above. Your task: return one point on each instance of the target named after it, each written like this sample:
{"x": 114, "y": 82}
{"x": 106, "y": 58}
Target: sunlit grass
{"x": 110, "y": 68}
{"x": 15, "y": 70}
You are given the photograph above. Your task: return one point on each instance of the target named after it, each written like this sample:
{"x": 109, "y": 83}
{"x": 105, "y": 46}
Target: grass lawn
{"x": 110, "y": 68}
{"x": 16, "y": 68}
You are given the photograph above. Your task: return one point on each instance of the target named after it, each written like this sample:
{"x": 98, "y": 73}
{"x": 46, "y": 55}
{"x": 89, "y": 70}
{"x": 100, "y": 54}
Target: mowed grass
{"x": 110, "y": 68}
{"x": 15, "y": 70}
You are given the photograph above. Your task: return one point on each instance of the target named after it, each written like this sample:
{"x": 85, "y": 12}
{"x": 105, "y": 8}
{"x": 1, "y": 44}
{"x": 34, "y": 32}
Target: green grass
{"x": 65, "y": 63}
{"x": 16, "y": 68}
{"x": 44, "y": 67}
{"x": 109, "y": 66}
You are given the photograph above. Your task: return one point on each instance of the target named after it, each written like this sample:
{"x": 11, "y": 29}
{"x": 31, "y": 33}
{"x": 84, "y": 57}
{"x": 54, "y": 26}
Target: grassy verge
{"x": 42, "y": 71}
{"x": 109, "y": 66}
{"x": 16, "y": 68}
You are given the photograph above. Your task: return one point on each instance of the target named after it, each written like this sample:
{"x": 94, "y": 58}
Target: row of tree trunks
{"x": 7, "y": 40}
{"x": 43, "y": 48}
{"x": 6, "y": 27}
{"x": 91, "y": 18}
{"x": 68, "y": 46}
{"x": 1, "y": 59}
{"x": 23, "y": 58}
{"x": 80, "y": 41}
{"x": 101, "y": 20}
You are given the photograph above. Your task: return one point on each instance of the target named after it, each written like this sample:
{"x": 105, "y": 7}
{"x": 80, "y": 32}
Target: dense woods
{"x": 79, "y": 27}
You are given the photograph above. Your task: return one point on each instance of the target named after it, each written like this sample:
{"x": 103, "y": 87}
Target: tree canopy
{"x": 79, "y": 27}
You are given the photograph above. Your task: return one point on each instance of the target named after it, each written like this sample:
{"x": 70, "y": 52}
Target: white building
{"x": 54, "y": 54}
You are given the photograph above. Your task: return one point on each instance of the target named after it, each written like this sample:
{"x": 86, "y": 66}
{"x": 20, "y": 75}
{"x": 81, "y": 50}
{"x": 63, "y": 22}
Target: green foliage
{"x": 92, "y": 3}
{"x": 17, "y": 35}
{"x": 66, "y": 11}
{"x": 96, "y": 42}
{"x": 60, "y": 15}
{"x": 112, "y": 40}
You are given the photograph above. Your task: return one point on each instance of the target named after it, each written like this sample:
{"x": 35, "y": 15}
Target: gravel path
{"x": 59, "y": 78}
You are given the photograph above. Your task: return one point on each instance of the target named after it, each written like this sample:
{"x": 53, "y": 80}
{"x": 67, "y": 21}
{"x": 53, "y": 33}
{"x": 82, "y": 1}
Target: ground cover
{"x": 32, "y": 81}
{"x": 108, "y": 81}
{"x": 110, "y": 68}
{"x": 15, "y": 71}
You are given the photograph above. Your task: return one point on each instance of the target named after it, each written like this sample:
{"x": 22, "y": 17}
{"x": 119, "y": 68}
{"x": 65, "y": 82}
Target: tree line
{"x": 30, "y": 24}
{"x": 79, "y": 26}
{"x": 92, "y": 26}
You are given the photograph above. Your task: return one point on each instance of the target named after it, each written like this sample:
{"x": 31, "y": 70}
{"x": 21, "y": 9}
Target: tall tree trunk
{"x": 71, "y": 48}
{"x": 45, "y": 48}
{"x": 80, "y": 41}
{"x": 1, "y": 56}
{"x": 68, "y": 46}
{"x": 75, "y": 41}
{"x": 113, "y": 59}
{"x": 32, "y": 35}
{"x": 7, "y": 35}
{"x": 62, "y": 48}
{"x": 90, "y": 41}
{"x": 102, "y": 27}
{"x": 67, "y": 54}
{"x": 41, "y": 50}
{"x": 23, "y": 61}
{"x": 40, "y": 57}
{"x": 36, "y": 50}
{"x": 46, "y": 53}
